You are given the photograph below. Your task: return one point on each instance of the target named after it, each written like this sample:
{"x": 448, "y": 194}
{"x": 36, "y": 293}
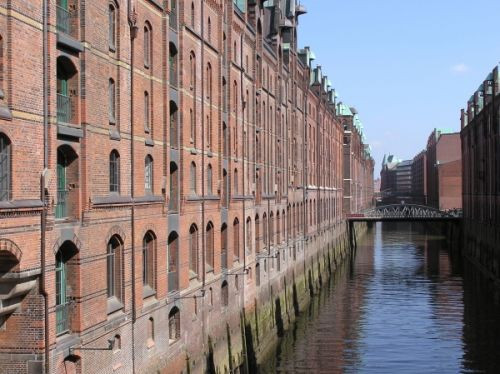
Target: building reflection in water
{"x": 403, "y": 303}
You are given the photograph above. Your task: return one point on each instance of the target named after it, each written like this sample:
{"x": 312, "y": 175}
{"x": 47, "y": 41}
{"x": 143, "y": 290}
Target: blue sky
{"x": 408, "y": 66}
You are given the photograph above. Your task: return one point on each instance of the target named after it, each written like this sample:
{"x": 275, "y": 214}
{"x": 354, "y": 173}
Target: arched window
{"x": 192, "y": 127}
{"x": 209, "y": 132}
{"x": 209, "y": 180}
{"x": 258, "y": 239}
{"x": 5, "y": 168}
{"x": 148, "y": 262}
{"x": 209, "y": 82}
{"x": 173, "y": 65}
{"x": 173, "y": 261}
{"x": 112, "y": 101}
{"x": 223, "y": 246}
{"x": 173, "y": 125}
{"x": 114, "y": 171}
{"x": 236, "y": 239}
{"x": 192, "y": 179}
{"x": 147, "y": 45}
{"x": 192, "y": 16}
{"x": 67, "y": 91}
{"x": 147, "y": 112}
{"x": 151, "y": 330}
{"x": 235, "y": 182}
{"x": 112, "y": 27}
{"x": 248, "y": 227}
{"x": 283, "y": 222}
{"x": 278, "y": 227}
{"x": 193, "y": 248}
{"x": 174, "y": 324}
{"x": 174, "y": 188}
{"x": 148, "y": 174}
{"x": 209, "y": 254}
{"x": 114, "y": 267}
{"x": 257, "y": 274}
{"x": 65, "y": 281}
{"x": 265, "y": 229}
{"x": 192, "y": 71}
{"x": 225, "y": 294}
{"x": 209, "y": 30}
{"x": 271, "y": 228}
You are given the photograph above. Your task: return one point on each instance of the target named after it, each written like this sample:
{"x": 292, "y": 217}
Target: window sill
{"x": 150, "y": 343}
{"x": 148, "y": 292}
{"x": 114, "y": 305}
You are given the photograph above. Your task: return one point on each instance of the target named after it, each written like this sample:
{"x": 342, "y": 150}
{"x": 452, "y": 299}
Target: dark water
{"x": 403, "y": 305}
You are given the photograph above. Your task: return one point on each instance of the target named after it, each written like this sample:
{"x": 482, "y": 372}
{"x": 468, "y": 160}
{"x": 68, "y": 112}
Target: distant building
{"x": 358, "y": 163}
{"x": 419, "y": 178}
{"x": 388, "y": 178}
{"x": 444, "y": 170}
{"x": 403, "y": 180}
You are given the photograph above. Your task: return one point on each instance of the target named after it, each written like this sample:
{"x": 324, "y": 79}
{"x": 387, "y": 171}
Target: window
{"x": 193, "y": 248}
{"x": 223, "y": 246}
{"x": 173, "y": 67}
{"x": 209, "y": 255}
{"x": 209, "y": 180}
{"x": 265, "y": 229}
{"x": 257, "y": 275}
{"x": 249, "y": 235}
{"x": 148, "y": 260}
{"x": 5, "y": 167}
{"x": 209, "y": 30}
{"x": 147, "y": 45}
{"x": 193, "y": 178}
{"x": 192, "y": 71}
{"x": 173, "y": 14}
{"x": 192, "y": 16}
{"x": 147, "y": 111}
{"x": 192, "y": 127}
{"x": 112, "y": 101}
{"x": 225, "y": 294}
{"x": 235, "y": 182}
{"x": 173, "y": 125}
{"x": 112, "y": 27}
{"x": 236, "y": 239}
{"x": 114, "y": 268}
{"x": 174, "y": 188}
{"x": 151, "y": 331}
{"x": 174, "y": 324}
{"x": 148, "y": 174}
{"x": 114, "y": 171}
{"x": 173, "y": 261}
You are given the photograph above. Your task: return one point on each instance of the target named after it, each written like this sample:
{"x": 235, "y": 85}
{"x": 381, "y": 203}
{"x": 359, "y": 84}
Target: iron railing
{"x": 63, "y": 108}
{"x": 62, "y": 204}
{"x": 62, "y": 318}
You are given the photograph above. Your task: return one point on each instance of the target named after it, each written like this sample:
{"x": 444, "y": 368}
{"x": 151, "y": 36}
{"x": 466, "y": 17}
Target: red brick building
{"x": 358, "y": 163}
{"x": 169, "y": 171}
{"x": 480, "y": 140}
{"x": 444, "y": 170}
{"x": 419, "y": 178}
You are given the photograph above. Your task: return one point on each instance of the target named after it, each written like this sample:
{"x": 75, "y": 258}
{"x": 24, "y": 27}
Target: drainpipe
{"x": 203, "y": 236}
{"x": 133, "y": 35}
{"x": 243, "y": 107}
{"x": 43, "y": 218}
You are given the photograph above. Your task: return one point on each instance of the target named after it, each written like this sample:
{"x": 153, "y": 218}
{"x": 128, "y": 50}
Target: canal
{"x": 402, "y": 305}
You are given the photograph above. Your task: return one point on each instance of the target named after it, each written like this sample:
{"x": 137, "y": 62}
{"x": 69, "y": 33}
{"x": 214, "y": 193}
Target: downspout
{"x": 133, "y": 35}
{"x": 43, "y": 218}
{"x": 203, "y": 236}
{"x": 243, "y": 107}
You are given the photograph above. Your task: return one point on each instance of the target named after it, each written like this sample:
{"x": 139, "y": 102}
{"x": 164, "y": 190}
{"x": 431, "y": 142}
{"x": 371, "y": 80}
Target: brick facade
{"x": 480, "y": 141}
{"x": 167, "y": 167}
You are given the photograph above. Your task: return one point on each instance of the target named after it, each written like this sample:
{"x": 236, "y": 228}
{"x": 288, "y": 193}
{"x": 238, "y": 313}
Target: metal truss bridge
{"x": 405, "y": 212}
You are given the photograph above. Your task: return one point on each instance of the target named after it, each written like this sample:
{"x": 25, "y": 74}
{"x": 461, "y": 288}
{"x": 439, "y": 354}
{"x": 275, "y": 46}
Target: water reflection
{"x": 403, "y": 305}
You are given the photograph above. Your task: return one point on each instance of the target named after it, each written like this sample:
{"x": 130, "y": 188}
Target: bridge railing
{"x": 406, "y": 211}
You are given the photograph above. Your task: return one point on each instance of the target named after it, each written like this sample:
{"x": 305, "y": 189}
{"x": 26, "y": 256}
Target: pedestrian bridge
{"x": 405, "y": 212}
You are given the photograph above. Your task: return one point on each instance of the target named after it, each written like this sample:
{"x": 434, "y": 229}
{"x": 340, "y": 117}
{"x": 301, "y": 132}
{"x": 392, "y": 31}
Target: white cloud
{"x": 459, "y": 68}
